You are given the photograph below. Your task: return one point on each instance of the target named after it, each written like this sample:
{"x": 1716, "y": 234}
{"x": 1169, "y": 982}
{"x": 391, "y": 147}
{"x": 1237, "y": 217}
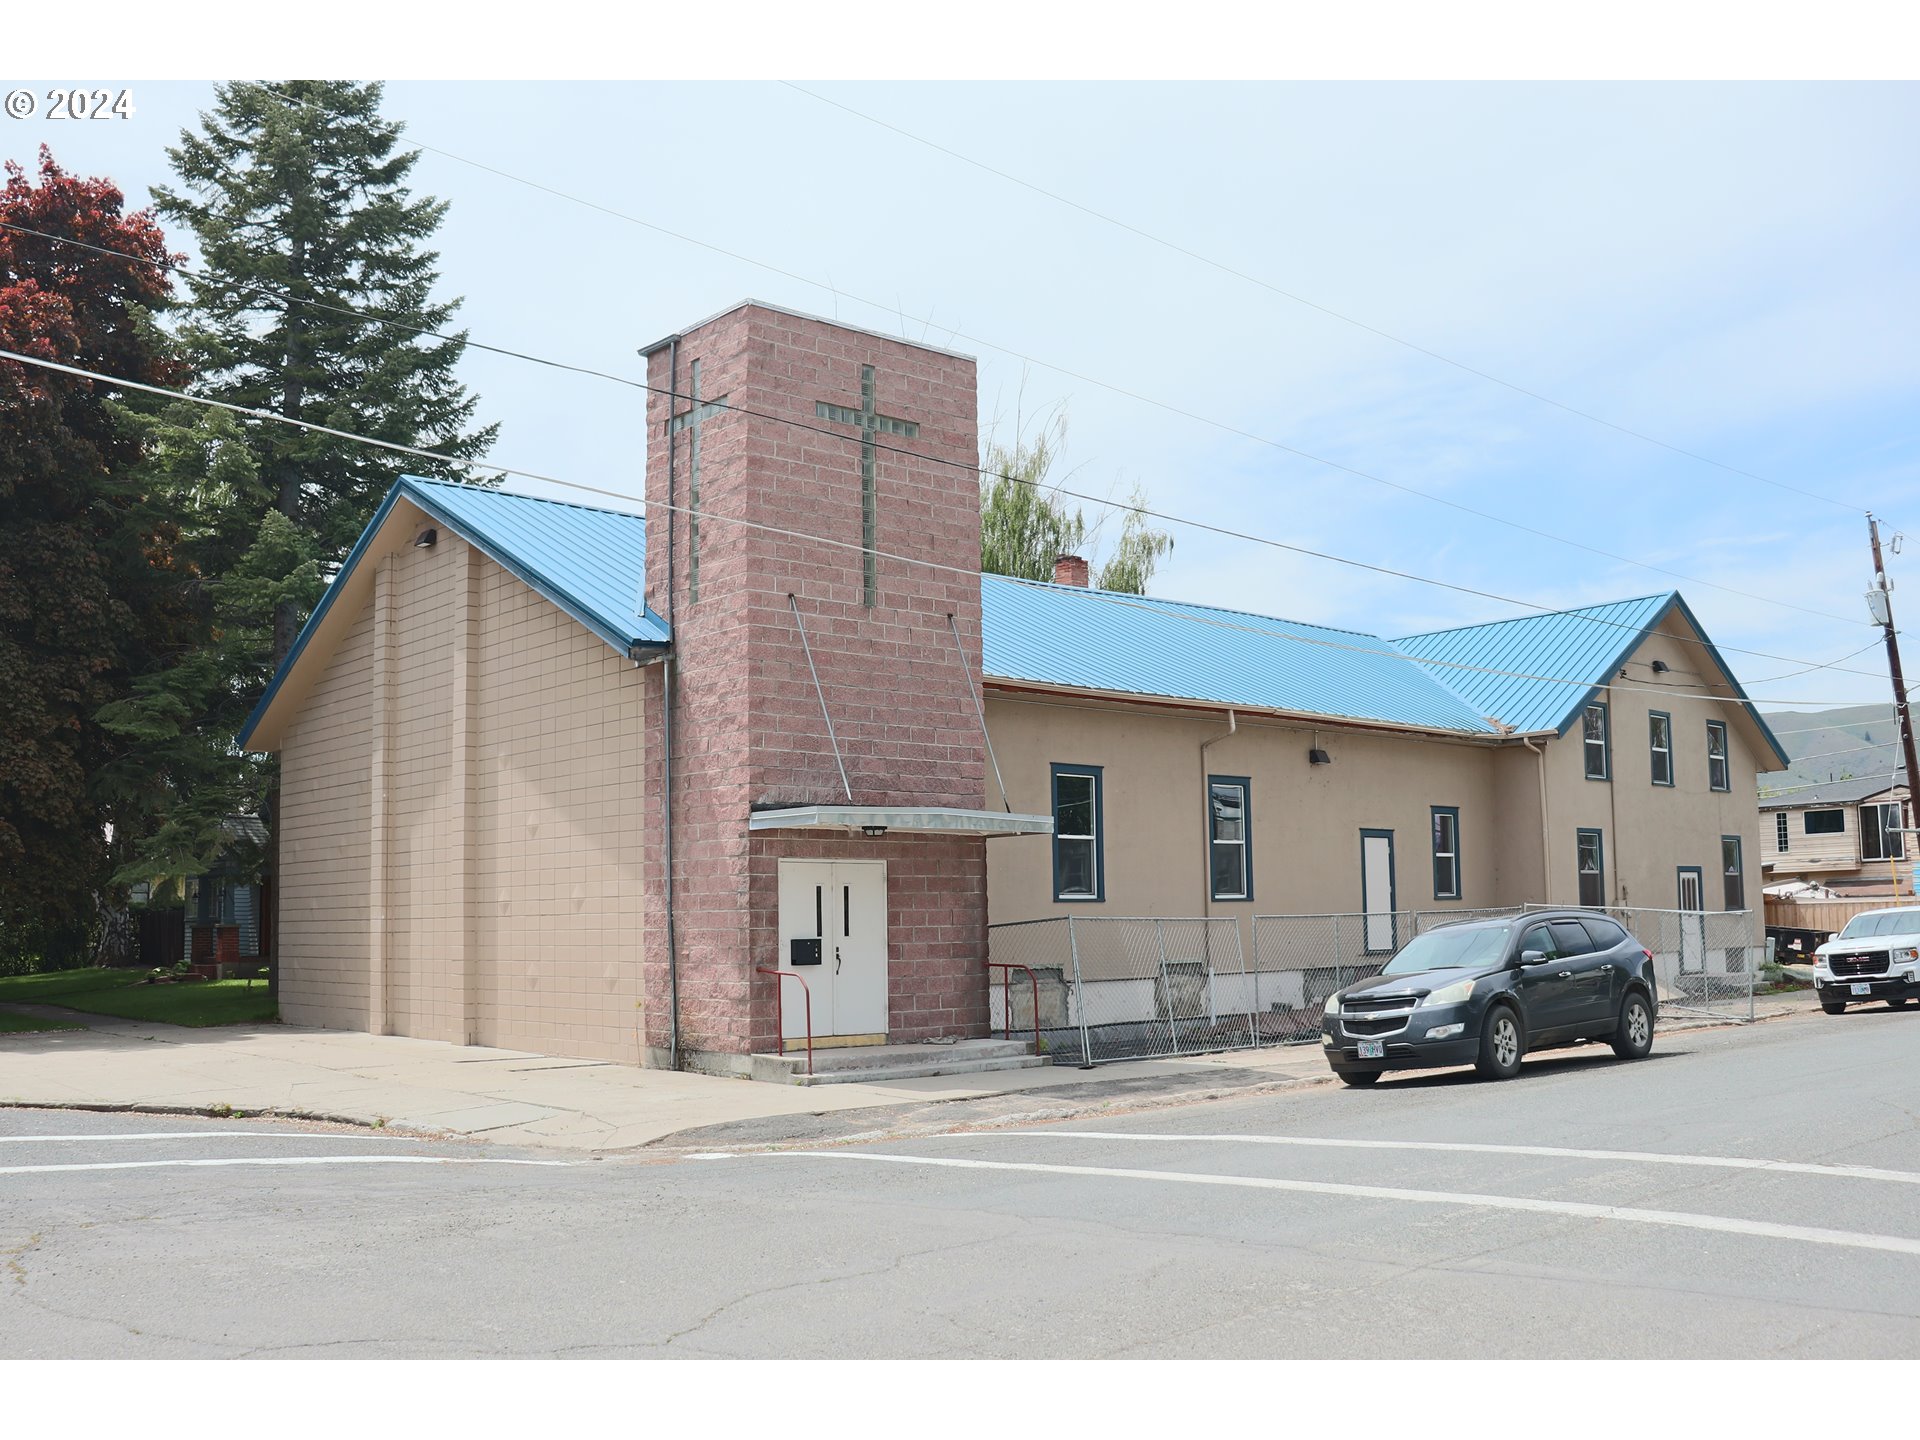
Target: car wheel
{"x": 1501, "y": 1045}
{"x": 1833, "y": 1007}
{"x": 1358, "y": 1077}
{"x": 1633, "y": 1039}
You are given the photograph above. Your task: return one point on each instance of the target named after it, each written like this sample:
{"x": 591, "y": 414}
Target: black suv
{"x": 1484, "y": 992}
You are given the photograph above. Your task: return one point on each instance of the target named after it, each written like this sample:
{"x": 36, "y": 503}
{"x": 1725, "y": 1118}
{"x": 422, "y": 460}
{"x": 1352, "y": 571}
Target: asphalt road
{"x": 1447, "y": 1218}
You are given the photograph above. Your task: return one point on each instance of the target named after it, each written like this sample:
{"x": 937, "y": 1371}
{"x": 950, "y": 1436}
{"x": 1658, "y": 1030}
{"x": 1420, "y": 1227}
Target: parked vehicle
{"x": 1487, "y": 992}
{"x": 1877, "y": 957}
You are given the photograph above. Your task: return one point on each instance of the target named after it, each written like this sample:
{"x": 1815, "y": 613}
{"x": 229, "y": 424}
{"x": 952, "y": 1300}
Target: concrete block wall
{"x": 464, "y": 805}
{"x": 325, "y": 844}
{"x": 748, "y": 727}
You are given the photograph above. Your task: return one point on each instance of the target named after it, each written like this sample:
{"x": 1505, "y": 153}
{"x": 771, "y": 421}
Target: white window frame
{"x": 1656, "y": 752}
{"x": 1718, "y": 728}
{"x": 1604, "y": 741}
{"x": 1451, "y": 855}
{"x": 1783, "y": 841}
{"x": 1244, "y": 844}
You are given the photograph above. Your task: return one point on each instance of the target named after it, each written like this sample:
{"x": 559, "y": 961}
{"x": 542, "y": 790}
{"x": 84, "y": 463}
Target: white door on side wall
{"x": 1376, "y": 890}
{"x": 833, "y": 936}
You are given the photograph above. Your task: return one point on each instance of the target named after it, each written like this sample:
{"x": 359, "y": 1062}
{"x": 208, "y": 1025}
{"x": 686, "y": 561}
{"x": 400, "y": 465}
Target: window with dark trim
{"x": 1660, "y": 746}
{"x": 1229, "y": 839}
{"x": 1824, "y": 822}
{"x": 1593, "y": 733}
{"x": 1880, "y": 837}
{"x": 1780, "y": 832}
{"x": 1078, "y": 818}
{"x": 1446, "y": 852}
{"x": 1730, "y": 871}
{"x": 1718, "y": 775}
{"x": 1591, "y": 860}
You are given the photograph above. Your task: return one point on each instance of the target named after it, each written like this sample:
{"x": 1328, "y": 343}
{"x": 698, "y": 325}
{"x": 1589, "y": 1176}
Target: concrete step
{"x": 873, "y": 1064}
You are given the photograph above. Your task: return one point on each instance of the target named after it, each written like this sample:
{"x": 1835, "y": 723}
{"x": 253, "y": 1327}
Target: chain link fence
{"x": 1138, "y": 988}
{"x": 1126, "y": 988}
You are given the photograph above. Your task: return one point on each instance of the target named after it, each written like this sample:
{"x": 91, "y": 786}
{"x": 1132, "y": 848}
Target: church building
{"x": 555, "y": 777}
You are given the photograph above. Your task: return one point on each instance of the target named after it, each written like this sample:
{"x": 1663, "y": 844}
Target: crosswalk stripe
{"x": 1766, "y": 1229}
{"x": 1648, "y": 1157}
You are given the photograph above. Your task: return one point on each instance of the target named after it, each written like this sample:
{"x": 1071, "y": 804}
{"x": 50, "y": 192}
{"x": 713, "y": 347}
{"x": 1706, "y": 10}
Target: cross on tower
{"x": 870, "y": 423}
{"x": 690, "y": 422}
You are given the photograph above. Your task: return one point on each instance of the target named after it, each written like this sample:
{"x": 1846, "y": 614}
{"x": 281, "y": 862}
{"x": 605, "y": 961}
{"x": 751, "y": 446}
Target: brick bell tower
{"x": 828, "y": 769}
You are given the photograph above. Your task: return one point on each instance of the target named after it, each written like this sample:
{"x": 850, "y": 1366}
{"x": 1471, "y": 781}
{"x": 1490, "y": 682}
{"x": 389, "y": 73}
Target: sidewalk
{"x": 513, "y": 1097}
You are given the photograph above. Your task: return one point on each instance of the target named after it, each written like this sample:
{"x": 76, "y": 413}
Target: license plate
{"x": 1861, "y": 989}
{"x": 1373, "y": 1049}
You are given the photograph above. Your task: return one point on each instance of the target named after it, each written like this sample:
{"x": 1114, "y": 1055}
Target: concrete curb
{"x": 222, "y": 1112}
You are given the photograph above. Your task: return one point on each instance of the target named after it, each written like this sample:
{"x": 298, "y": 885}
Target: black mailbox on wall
{"x": 803, "y": 952}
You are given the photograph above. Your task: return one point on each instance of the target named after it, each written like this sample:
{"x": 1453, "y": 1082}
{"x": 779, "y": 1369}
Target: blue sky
{"x": 1728, "y": 267}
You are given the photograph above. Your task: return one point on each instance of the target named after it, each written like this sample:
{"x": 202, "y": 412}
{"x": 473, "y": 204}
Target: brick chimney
{"x": 1070, "y": 570}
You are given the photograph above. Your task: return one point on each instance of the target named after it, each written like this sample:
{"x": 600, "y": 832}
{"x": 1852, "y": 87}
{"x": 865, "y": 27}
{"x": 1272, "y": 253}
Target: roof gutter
{"x": 1307, "y": 718}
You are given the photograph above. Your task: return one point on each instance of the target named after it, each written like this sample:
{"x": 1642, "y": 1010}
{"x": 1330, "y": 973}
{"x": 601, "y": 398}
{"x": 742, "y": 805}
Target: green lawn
{"x": 125, "y": 993}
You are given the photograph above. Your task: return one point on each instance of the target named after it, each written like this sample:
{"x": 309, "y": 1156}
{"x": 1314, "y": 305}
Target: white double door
{"x": 833, "y": 935}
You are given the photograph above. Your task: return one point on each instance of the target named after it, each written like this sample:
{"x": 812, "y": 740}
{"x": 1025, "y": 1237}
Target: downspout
{"x": 1206, "y": 834}
{"x": 673, "y": 949}
{"x": 666, "y": 728}
{"x": 1546, "y": 830}
{"x": 1613, "y": 808}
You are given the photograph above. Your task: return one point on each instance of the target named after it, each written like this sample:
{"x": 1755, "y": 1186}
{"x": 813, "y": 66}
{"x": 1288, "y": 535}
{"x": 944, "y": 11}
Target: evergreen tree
{"x": 316, "y": 279}
{"x": 315, "y": 286}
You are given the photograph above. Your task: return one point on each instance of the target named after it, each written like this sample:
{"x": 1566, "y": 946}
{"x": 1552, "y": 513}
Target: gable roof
{"x": 1582, "y": 646}
{"x": 590, "y": 562}
{"x": 1061, "y": 635}
{"x": 1475, "y": 680}
{"x": 1834, "y": 792}
{"x": 1538, "y": 672}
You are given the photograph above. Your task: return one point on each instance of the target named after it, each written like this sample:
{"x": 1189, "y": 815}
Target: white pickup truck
{"x": 1877, "y": 957}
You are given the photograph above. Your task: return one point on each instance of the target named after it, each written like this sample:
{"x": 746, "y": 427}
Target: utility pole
{"x": 1880, "y": 606}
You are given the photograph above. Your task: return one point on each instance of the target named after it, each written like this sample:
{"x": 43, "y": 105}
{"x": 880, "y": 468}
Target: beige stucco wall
{"x": 505, "y": 842}
{"x": 1651, "y": 830}
{"x": 1306, "y": 820}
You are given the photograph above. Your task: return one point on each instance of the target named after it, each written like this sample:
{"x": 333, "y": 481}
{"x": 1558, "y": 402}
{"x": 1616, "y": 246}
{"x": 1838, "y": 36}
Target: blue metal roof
{"x": 1578, "y": 648}
{"x": 1136, "y": 645}
{"x": 592, "y": 563}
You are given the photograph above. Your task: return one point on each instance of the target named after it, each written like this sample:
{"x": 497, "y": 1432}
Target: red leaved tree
{"x": 90, "y": 590}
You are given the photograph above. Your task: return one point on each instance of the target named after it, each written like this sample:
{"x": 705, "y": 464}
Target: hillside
{"x": 1833, "y": 744}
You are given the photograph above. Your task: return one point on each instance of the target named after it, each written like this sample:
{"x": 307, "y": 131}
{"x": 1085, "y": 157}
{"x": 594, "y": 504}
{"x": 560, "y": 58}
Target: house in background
{"x": 216, "y": 921}
{"x": 1843, "y": 838}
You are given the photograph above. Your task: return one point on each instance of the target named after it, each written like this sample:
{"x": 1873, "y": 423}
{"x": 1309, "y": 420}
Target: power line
{"x": 1167, "y": 517}
{"x": 1830, "y": 665}
{"x": 1299, "y": 299}
{"x": 1223, "y": 426}
{"x": 1103, "y": 596}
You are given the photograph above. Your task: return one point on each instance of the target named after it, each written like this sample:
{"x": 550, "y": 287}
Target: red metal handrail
{"x": 1006, "y": 1007}
{"x": 780, "y": 1009}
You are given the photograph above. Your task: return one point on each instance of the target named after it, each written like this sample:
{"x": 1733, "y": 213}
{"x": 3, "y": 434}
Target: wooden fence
{"x": 1825, "y": 916}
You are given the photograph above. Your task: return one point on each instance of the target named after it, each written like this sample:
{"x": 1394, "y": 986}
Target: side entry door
{"x": 833, "y": 936}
